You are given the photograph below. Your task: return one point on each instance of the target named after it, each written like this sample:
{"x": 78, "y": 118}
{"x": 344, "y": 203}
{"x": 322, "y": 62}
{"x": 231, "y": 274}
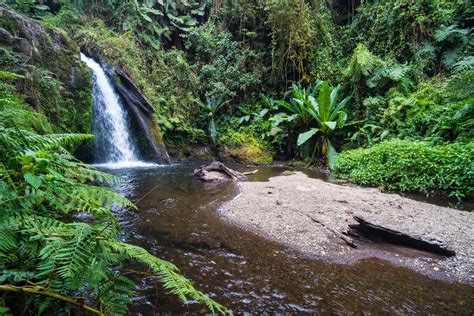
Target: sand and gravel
{"x": 303, "y": 213}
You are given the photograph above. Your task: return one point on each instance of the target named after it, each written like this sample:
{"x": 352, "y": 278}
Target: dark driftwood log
{"x": 216, "y": 171}
{"x": 371, "y": 230}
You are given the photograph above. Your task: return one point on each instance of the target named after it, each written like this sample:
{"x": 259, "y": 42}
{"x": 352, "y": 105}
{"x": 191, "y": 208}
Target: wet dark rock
{"x": 217, "y": 172}
{"x": 142, "y": 113}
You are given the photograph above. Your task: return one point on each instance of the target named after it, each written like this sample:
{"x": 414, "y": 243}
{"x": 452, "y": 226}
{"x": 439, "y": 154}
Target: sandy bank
{"x": 311, "y": 215}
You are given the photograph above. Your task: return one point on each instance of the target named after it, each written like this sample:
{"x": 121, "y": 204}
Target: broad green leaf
{"x": 42, "y": 163}
{"x": 41, "y": 7}
{"x": 331, "y": 124}
{"x": 286, "y": 105}
{"x": 324, "y": 101}
{"x": 341, "y": 118}
{"x": 33, "y": 180}
{"x": 274, "y": 131}
{"x": 339, "y": 107}
{"x": 263, "y": 112}
{"x": 334, "y": 95}
{"x": 304, "y": 137}
{"x": 331, "y": 155}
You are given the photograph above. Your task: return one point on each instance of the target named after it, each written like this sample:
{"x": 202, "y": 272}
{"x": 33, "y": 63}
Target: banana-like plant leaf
{"x": 334, "y": 94}
{"x": 341, "y": 118}
{"x": 304, "y": 137}
{"x": 339, "y": 107}
{"x": 331, "y": 155}
{"x": 324, "y": 101}
{"x": 331, "y": 124}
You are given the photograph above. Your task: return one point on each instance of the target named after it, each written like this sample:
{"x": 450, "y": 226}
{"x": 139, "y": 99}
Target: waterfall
{"x": 114, "y": 146}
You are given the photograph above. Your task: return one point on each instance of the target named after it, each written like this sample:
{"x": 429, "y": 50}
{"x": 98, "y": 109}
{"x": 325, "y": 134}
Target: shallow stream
{"x": 178, "y": 221}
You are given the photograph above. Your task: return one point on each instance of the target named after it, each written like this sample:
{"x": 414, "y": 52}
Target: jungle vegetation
{"x": 381, "y": 92}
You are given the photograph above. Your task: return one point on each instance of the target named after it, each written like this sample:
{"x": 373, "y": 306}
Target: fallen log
{"x": 216, "y": 172}
{"x": 374, "y": 231}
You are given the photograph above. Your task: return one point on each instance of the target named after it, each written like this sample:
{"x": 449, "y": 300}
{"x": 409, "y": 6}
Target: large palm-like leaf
{"x": 326, "y": 111}
{"x": 300, "y": 103}
{"x": 328, "y": 114}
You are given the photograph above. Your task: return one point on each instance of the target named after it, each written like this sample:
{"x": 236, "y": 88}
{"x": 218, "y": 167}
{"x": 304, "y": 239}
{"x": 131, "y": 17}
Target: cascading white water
{"x": 114, "y": 146}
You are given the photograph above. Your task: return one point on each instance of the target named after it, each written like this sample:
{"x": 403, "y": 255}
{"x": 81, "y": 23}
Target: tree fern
{"x": 362, "y": 63}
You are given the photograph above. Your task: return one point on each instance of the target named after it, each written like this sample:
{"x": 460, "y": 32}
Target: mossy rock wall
{"x": 55, "y": 81}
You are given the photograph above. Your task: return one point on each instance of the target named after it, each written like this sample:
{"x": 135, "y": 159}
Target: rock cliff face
{"x": 55, "y": 81}
{"x": 141, "y": 111}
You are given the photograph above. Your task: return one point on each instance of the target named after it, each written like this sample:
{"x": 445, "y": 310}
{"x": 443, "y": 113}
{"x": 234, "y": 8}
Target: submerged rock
{"x": 216, "y": 172}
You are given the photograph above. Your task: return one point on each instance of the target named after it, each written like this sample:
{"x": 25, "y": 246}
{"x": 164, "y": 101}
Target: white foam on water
{"x": 128, "y": 165}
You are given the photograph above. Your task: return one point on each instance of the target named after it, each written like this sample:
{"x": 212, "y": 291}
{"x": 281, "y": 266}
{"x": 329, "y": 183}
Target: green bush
{"x": 396, "y": 28}
{"x": 436, "y": 111}
{"x": 411, "y": 166}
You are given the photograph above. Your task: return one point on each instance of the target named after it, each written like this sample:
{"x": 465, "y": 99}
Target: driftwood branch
{"x": 38, "y": 290}
{"x": 250, "y": 172}
{"x": 216, "y": 171}
{"x": 338, "y": 234}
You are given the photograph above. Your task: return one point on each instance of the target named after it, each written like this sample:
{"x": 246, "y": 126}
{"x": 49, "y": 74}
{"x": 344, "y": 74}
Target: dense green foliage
{"x": 243, "y": 77}
{"x": 53, "y": 80}
{"x": 46, "y": 249}
{"x": 409, "y": 73}
{"x": 411, "y": 166}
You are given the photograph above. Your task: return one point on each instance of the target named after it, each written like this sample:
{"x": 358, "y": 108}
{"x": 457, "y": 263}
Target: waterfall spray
{"x": 114, "y": 146}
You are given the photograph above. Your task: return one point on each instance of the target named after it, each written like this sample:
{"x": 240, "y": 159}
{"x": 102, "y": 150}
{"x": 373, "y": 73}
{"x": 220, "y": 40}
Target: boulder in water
{"x": 216, "y": 172}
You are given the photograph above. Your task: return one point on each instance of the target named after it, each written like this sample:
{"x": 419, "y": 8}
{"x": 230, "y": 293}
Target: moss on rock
{"x": 243, "y": 146}
{"x": 55, "y": 81}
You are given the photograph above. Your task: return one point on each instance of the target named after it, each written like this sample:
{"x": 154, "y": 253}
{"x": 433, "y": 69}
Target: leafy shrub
{"x": 439, "y": 110}
{"x": 245, "y": 146}
{"x": 261, "y": 118}
{"x": 411, "y": 166}
{"x": 396, "y": 28}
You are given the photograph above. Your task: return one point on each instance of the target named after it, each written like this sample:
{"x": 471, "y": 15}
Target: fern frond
{"x": 448, "y": 32}
{"x": 464, "y": 64}
{"x": 169, "y": 275}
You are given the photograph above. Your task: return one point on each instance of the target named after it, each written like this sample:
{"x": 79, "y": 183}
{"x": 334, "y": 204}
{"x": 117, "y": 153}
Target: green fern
{"x": 362, "y": 63}
{"x": 43, "y": 247}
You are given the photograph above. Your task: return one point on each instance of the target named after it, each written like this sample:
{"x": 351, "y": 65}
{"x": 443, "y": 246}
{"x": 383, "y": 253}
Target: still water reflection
{"x": 177, "y": 221}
